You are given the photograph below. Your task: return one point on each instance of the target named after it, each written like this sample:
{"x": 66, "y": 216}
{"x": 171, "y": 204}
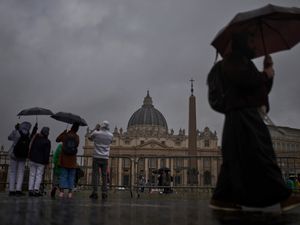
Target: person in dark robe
{"x": 249, "y": 174}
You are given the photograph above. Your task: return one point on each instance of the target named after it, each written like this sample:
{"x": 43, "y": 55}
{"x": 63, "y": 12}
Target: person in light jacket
{"x": 102, "y": 139}
{"x": 16, "y": 164}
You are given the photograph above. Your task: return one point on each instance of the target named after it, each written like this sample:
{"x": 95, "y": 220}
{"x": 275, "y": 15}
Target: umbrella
{"x": 274, "y": 29}
{"x": 69, "y": 118}
{"x": 35, "y": 111}
{"x": 162, "y": 169}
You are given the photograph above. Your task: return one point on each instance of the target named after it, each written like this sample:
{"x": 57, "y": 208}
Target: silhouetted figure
{"x": 249, "y": 173}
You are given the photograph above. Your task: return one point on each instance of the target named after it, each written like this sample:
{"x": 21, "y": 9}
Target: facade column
{"x": 200, "y": 170}
{"x": 134, "y": 169}
{"x": 186, "y": 166}
{"x": 158, "y": 163}
{"x": 146, "y": 169}
{"x": 119, "y": 171}
{"x": 214, "y": 171}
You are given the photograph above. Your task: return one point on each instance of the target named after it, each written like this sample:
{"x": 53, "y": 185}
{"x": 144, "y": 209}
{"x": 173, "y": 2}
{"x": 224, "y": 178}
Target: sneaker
{"x": 37, "y": 193}
{"x": 12, "y": 193}
{"x": 70, "y": 195}
{"x": 61, "y": 194}
{"x": 53, "y": 192}
{"x": 224, "y": 206}
{"x": 94, "y": 195}
{"x": 104, "y": 196}
{"x": 20, "y": 194}
{"x": 290, "y": 203}
{"x": 31, "y": 193}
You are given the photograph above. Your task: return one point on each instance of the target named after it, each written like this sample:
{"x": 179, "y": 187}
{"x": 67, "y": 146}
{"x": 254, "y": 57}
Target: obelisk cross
{"x": 192, "y": 85}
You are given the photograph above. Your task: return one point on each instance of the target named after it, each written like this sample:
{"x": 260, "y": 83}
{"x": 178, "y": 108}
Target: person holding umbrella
{"x": 249, "y": 173}
{"x": 18, "y": 154}
{"x": 67, "y": 160}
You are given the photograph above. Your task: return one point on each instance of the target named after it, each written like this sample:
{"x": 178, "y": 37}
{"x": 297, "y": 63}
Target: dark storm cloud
{"x": 98, "y": 59}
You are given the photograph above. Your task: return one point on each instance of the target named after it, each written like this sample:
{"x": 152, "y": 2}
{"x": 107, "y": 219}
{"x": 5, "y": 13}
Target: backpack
{"x": 216, "y": 92}
{"x": 70, "y": 145}
{"x": 21, "y": 149}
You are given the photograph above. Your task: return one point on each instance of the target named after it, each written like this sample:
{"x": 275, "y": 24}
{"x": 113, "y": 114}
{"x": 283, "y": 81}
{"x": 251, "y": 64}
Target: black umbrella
{"x": 35, "y": 111}
{"x": 162, "y": 169}
{"x": 69, "y": 118}
{"x": 165, "y": 169}
{"x": 274, "y": 29}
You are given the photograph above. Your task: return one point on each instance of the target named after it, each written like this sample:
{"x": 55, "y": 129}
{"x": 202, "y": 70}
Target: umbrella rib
{"x": 262, "y": 36}
{"x": 276, "y": 31}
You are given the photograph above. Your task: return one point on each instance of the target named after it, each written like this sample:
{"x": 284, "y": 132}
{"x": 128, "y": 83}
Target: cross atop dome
{"x": 148, "y": 100}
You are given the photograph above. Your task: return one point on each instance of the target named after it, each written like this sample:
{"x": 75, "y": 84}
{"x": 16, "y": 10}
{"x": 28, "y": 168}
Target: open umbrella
{"x": 69, "y": 118}
{"x": 35, "y": 111}
{"x": 162, "y": 169}
{"x": 274, "y": 29}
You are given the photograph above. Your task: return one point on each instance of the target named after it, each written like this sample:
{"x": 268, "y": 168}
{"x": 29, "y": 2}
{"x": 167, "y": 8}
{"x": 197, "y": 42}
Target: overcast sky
{"x": 98, "y": 58}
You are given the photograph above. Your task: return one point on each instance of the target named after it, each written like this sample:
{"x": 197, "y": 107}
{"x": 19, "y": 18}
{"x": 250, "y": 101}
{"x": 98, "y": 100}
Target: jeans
{"x": 102, "y": 164}
{"x": 67, "y": 178}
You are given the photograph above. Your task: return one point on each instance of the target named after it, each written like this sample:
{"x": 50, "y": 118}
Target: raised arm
{"x": 60, "y": 137}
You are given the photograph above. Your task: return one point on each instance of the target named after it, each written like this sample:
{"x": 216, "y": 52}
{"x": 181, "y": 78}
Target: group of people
{"x": 293, "y": 183}
{"x": 36, "y": 147}
{"x": 165, "y": 179}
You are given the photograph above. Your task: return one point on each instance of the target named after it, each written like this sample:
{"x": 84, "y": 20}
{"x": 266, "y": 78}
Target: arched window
{"x": 206, "y": 143}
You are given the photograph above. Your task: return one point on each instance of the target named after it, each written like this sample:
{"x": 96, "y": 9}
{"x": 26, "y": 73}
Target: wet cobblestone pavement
{"x": 120, "y": 210}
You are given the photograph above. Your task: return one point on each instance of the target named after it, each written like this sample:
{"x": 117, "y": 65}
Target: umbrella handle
{"x": 268, "y": 62}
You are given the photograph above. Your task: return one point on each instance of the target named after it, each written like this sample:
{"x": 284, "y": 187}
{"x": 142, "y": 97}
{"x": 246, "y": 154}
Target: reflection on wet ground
{"x": 120, "y": 210}
{"x": 257, "y": 218}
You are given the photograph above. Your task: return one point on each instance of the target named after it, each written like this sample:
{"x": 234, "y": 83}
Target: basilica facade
{"x": 147, "y": 145}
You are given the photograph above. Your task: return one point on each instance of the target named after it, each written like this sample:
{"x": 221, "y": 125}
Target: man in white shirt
{"x": 102, "y": 139}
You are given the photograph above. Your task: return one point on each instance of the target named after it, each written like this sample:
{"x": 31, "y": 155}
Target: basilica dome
{"x": 147, "y": 118}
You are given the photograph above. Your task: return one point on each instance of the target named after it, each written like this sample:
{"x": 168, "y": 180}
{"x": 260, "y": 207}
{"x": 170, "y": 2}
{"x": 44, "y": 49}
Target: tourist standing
{"x": 102, "y": 139}
{"x": 56, "y": 170}
{"x": 18, "y": 153}
{"x": 67, "y": 160}
{"x": 39, "y": 154}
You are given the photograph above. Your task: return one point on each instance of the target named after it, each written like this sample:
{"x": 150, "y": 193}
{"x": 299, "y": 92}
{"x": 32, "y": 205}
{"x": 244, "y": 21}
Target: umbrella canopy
{"x": 69, "y": 118}
{"x": 35, "y": 111}
{"x": 162, "y": 169}
{"x": 274, "y": 28}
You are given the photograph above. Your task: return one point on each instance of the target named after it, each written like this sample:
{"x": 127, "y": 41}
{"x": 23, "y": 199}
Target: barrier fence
{"x": 151, "y": 173}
